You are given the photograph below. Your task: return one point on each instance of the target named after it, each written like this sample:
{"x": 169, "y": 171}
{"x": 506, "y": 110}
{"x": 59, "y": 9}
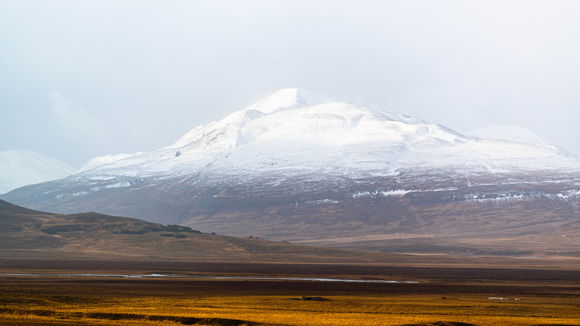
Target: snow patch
{"x": 374, "y": 194}
{"x": 568, "y": 194}
{"x": 101, "y": 177}
{"x": 442, "y": 189}
{"x": 76, "y": 194}
{"x": 507, "y": 197}
{"x": 323, "y": 201}
{"x": 115, "y": 185}
{"x": 395, "y": 193}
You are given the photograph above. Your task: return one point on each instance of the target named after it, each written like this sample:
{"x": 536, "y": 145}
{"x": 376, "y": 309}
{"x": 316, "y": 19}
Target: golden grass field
{"x": 444, "y": 296}
{"x": 274, "y": 310}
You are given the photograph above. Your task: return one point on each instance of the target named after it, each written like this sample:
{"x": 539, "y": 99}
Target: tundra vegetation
{"x": 444, "y": 295}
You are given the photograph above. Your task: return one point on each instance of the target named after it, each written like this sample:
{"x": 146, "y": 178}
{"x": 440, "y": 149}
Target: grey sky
{"x": 80, "y": 79}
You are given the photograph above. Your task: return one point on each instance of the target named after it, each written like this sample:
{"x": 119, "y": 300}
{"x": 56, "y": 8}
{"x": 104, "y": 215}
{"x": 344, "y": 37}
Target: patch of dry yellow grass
{"x": 275, "y": 310}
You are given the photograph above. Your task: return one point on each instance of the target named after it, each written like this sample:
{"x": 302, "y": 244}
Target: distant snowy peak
{"x": 22, "y": 167}
{"x": 510, "y": 133}
{"x": 289, "y": 99}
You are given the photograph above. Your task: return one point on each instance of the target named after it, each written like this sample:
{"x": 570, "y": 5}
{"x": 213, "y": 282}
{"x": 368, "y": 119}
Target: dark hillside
{"x": 29, "y": 233}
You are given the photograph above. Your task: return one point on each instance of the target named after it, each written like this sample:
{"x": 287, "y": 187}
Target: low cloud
{"x": 109, "y": 132}
{"x": 73, "y": 119}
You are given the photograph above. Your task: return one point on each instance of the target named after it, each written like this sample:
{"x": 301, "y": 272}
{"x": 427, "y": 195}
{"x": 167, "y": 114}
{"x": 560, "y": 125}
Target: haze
{"x": 83, "y": 79}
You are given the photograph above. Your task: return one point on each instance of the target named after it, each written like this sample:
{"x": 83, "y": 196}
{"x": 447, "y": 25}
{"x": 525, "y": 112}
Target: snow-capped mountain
{"x": 510, "y": 133}
{"x": 23, "y": 167}
{"x": 300, "y": 163}
{"x": 295, "y": 132}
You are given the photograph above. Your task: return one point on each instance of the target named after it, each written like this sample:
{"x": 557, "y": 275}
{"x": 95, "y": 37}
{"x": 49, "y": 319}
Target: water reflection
{"x": 211, "y": 277}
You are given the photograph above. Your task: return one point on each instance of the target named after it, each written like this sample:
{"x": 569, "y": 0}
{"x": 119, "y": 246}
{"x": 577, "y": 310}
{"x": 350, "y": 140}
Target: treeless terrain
{"x": 204, "y": 279}
{"x": 548, "y": 294}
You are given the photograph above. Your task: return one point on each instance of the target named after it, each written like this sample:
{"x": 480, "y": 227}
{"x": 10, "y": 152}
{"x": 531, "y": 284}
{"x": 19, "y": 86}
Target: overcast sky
{"x": 80, "y": 79}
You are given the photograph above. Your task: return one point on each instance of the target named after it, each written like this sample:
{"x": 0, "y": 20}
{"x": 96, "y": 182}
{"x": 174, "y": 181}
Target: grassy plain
{"x": 445, "y": 295}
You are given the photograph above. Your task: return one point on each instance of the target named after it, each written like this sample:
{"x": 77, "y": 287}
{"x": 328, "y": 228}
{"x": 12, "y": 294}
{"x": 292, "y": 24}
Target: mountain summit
{"x": 299, "y": 163}
{"x": 289, "y": 99}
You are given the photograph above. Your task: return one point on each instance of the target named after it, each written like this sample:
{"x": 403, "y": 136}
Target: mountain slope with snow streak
{"x": 298, "y": 163}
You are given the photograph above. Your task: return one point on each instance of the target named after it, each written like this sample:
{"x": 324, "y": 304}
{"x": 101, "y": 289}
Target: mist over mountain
{"x": 510, "y": 133}
{"x": 24, "y": 167}
{"x": 298, "y": 164}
